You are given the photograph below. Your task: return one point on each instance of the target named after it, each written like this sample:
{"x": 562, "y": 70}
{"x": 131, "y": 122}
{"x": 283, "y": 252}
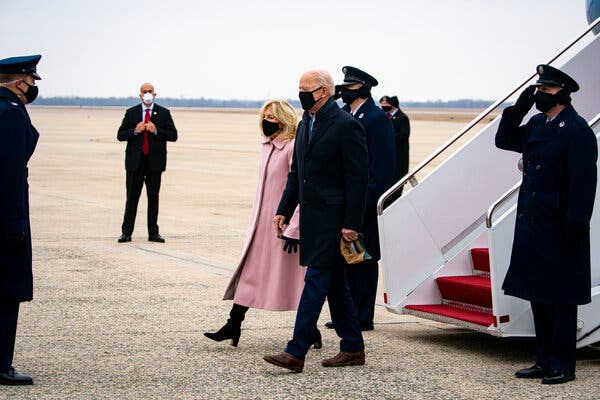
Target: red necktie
{"x": 145, "y": 148}
{"x": 390, "y": 115}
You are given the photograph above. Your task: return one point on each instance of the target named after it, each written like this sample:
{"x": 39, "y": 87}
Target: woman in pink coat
{"x": 268, "y": 276}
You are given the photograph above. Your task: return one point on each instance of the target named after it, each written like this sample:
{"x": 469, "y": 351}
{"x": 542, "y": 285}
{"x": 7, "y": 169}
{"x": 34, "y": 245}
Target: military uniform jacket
{"x": 401, "y": 134}
{"x": 328, "y": 178}
{"x": 19, "y": 139}
{"x": 157, "y": 143}
{"x": 550, "y": 261}
{"x": 382, "y": 157}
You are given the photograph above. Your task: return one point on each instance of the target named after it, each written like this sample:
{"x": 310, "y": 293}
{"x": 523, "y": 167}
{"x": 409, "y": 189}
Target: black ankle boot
{"x": 232, "y": 329}
{"x": 317, "y": 342}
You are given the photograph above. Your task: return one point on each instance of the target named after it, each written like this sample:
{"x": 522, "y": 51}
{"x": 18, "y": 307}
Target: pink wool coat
{"x": 267, "y": 277}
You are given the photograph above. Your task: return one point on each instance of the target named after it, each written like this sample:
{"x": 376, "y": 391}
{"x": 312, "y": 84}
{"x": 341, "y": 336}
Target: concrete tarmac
{"x": 125, "y": 321}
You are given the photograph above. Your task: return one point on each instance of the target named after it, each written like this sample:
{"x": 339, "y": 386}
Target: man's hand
{"x": 150, "y": 127}
{"x": 349, "y": 235}
{"x": 278, "y": 222}
{"x": 139, "y": 128}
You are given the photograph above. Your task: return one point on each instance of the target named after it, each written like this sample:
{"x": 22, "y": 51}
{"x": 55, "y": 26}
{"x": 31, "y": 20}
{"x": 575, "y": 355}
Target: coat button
{"x": 532, "y": 194}
{"x": 538, "y": 167}
{"x": 520, "y": 215}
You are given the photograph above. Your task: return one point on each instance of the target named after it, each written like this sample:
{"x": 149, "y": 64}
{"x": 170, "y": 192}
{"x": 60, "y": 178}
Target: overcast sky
{"x": 257, "y": 49}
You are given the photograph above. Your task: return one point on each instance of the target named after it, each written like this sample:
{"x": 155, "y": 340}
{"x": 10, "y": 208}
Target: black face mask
{"x": 386, "y": 108}
{"x": 545, "y": 101}
{"x": 269, "y": 128}
{"x": 307, "y": 100}
{"x": 31, "y": 94}
{"x": 349, "y": 95}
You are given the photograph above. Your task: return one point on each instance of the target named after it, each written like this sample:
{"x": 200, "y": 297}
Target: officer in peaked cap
{"x": 550, "y": 76}
{"x": 391, "y": 106}
{"x": 19, "y": 138}
{"x": 355, "y": 92}
{"x": 21, "y": 65}
{"x": 550, "y": 260}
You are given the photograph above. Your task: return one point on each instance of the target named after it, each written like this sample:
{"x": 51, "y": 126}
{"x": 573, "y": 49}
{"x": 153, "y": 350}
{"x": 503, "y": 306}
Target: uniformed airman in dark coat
{"x": 391, "y": 106}
{"x": 550, "y": 261}
{"x": 355, "y": 92}
{"x": 19, "y": 138}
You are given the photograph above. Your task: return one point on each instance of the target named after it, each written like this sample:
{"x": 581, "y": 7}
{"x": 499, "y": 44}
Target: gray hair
{"x": 323, "y": 78}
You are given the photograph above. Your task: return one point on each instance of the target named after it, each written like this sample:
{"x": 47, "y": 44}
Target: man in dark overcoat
{"x": 550, "y": 260}
{"x": 355, "y": 92}
{"x": 19, "y": 138}
{"x": 391, "y": 106}
{"x": 146, "y": 128}
{"x": 328, "y": 179}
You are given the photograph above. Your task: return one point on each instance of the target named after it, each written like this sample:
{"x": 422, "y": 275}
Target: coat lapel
{"x": 323, "y": 121}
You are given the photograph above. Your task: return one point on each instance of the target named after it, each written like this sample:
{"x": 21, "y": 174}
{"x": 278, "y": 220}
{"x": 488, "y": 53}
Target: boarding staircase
{"x": 446, "y": 242}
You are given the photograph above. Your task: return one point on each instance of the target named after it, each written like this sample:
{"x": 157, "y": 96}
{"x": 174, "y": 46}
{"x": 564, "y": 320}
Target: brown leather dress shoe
{"x": 285, "y": 360}
{"x": 344, "y": 358}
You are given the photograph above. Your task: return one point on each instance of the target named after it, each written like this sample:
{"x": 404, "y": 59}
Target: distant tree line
{"x": 220, "y": 103}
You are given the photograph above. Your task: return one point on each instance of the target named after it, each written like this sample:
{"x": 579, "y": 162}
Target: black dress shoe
{"x": 12, "y": 377}
{"x": 556, "y": 377}
{"x": 124, "y": 238}
{"x": 329, "y": 325}
{"x": 533, "y": 372}
{"x": 156, "y": 238}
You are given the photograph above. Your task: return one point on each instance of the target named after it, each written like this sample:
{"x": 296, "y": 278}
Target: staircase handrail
{"x": 410, "y": 177}
{"x": 506, "y": 196}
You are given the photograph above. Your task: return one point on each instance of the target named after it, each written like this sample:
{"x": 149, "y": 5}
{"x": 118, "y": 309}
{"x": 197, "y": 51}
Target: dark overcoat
{"x": 401, "y": 125}
{"x": 550, "y": 260}
{"x": 382, "y": 157}
{"x": 19, "y": 139}
{"x": 328, "y": 178}
{"x": 157, "y": 143}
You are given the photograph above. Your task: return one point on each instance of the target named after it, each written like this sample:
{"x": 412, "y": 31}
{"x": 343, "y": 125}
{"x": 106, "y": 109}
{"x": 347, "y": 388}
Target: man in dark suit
{"x": 147, "y": 128}
{"x": 550, "y": 260}
{"x": 355, "y": 92}
{"x": 401, "y": 123}
{"x": 19, "y": 138}
{"x": 328, "y": 178}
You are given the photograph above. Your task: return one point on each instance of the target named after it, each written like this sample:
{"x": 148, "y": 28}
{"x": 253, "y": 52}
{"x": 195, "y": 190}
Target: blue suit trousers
{"x": 320, "y": 283}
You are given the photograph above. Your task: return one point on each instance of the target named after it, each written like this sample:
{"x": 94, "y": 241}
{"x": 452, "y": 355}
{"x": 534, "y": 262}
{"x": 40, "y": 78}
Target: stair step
{"x": 481, "y": 259}
{"x": 470, "y": 289}
{"x": 452, "y": 315}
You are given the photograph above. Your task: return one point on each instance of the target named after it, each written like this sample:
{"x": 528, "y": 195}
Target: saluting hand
{"x": 525, "y": 101}
{"x": 349, "y": 235}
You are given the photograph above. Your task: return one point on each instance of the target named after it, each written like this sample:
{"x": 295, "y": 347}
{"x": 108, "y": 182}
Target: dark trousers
{"x": 362, "y": 280}
{"x": 9, "y": 313}
{"x": 318, "y": 284}
{"x": 135, "y": 181}
{"x": 556, "y": 336}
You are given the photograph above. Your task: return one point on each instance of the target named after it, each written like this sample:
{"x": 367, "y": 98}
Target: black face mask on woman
{"x": 545, "y": 101}
{"x": 31, "y": 94}
{"x": 350, "y": 95}
{"x": 269, "y": 128}
{"x": 386, "y": 108}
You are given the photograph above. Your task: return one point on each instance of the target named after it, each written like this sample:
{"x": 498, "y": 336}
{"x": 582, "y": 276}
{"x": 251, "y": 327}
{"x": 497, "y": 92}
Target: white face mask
{"x": 148, "y": 98}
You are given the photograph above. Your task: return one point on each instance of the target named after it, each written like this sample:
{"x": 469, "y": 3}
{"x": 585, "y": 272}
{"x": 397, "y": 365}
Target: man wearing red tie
{"x": 147, "y": 128}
